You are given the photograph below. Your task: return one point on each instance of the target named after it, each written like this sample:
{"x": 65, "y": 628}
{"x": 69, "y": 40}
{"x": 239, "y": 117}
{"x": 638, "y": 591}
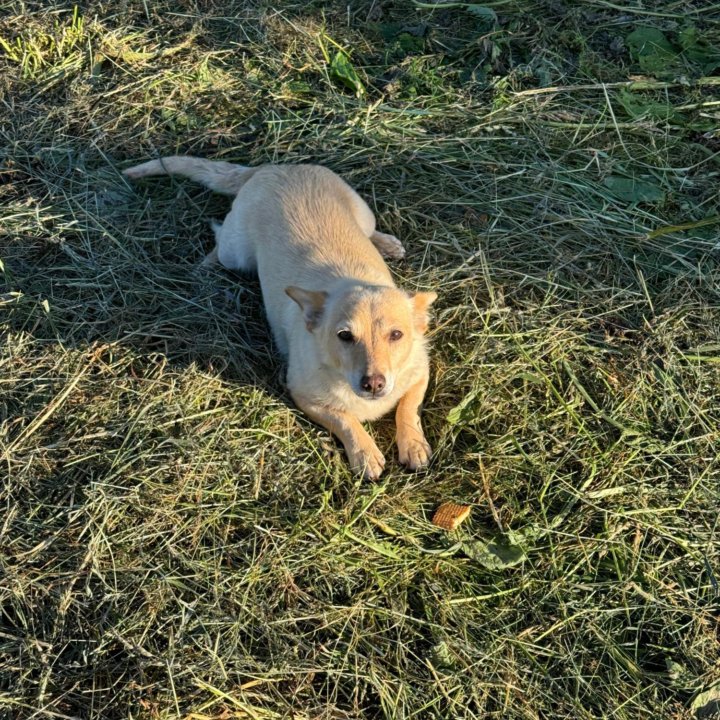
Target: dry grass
{"x": 177, "y": 541}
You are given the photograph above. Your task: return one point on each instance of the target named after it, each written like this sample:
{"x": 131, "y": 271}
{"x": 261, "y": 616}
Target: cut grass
{"x": 178, "y": 541}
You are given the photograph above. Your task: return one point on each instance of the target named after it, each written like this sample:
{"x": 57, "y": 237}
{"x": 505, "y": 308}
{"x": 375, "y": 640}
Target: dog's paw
{"x": 414, "y": 450}
{"x": 388, "y": 245}
{"x": 367, "y": 461}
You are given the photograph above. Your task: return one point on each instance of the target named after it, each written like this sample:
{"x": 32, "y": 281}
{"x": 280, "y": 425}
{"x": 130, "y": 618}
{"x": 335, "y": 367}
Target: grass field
{"x": 177, "y": 541}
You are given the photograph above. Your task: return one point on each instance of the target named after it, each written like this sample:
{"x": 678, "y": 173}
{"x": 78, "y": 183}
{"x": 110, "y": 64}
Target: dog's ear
{"x": 311, "y": 303}
{"x": 421, "y": 302}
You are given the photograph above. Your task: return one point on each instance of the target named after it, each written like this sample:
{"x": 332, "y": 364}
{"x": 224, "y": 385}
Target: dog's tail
{"x": 222, "y": 177}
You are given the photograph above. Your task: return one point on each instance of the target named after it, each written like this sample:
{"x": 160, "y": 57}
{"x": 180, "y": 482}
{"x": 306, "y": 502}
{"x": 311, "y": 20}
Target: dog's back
{"x": 304, "y": 233}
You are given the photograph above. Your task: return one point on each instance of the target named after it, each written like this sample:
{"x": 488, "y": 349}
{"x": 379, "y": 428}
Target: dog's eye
{"x": 395, "y": 335}
{"x": 346, "y": 336}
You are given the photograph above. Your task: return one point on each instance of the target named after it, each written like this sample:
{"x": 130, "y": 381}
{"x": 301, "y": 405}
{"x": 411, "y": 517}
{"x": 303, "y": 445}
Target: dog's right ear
{"x": 311, "y": 303}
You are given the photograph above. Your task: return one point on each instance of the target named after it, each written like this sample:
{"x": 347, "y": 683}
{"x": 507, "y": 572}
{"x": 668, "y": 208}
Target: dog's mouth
{"x": 365, "y": 395}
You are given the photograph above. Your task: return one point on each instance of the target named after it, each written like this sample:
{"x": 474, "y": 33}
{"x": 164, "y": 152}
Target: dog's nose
{"x": 372, "y": 383}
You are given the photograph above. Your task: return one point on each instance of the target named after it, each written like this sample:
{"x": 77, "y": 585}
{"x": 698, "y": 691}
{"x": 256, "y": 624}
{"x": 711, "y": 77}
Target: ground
{"x": 177, "y": 540}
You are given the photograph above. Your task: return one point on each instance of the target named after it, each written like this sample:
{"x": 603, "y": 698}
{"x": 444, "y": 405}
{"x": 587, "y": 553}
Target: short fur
{"x": 354, "y": 342}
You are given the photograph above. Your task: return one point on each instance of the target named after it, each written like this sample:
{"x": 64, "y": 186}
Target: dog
{"x": 354, "y": 342}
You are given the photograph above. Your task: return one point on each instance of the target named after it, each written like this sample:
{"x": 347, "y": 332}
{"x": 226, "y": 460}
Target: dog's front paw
{"x": 367, "y": 460}
{"x": 414, "y": 450}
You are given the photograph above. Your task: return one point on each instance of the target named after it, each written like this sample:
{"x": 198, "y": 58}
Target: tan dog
{"x": 354, "y": 342}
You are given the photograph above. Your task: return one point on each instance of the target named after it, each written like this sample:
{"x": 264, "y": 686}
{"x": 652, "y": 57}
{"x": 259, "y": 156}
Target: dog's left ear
{"x": 310, "y": 302}
{"x": 421, "y": 302}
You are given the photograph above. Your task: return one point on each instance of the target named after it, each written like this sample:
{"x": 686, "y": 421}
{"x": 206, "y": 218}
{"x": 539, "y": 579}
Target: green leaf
{"x": 680, "y": 677}
{"x": 707, "y": 704}
{"x": 464, "y": 412}
{"x": 648, "y": 41}
{"x": 639, "y": 107}
{"x": 403, "y": 39}
{"x": 389, "y": 31}
{"x": 488, "y": 15}
{"x": 342, "y": 69}
{"x": 441, "y": 656}
{"x": 526, "y": 535}
{"x": 410, "y": 43}
{"x": 492, "y": 554}
{"x": 698, "y": 51}
{"x": 652, "y": 51}
{"x": 633, "y": 190}
{"x": 296, "y": 88}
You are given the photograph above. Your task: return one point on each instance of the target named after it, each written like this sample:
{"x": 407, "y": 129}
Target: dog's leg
{"x": 233, "y": 250}
{"x": 211, "y": 259}
{"x": 388, "y": 245}
{"x": 413, "y": 449}
{"x": 362, "y": 452}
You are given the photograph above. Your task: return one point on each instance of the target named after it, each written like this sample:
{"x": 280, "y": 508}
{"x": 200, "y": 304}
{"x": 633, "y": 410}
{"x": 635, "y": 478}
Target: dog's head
{"x": 367, "y": 333}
